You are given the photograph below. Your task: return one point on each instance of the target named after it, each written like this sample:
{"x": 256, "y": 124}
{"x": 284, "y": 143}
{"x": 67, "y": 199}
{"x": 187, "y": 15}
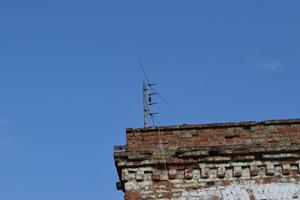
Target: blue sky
{"x": 70, "y": 82}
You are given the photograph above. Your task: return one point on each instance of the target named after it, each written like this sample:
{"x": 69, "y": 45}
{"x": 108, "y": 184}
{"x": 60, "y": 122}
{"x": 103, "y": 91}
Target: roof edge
{"x": 215, "y": 125}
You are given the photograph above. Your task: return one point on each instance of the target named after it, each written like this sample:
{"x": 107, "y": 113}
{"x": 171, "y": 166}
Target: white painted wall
{"x": 273, "y": 191}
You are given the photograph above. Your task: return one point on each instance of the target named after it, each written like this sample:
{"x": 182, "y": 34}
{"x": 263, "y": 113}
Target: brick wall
{"x": 246, "y": 133}
{"x": 222, "y": 161}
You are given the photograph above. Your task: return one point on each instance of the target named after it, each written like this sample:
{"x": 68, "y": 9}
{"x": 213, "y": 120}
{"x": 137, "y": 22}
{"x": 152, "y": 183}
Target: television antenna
{"x": 148, "y": 92}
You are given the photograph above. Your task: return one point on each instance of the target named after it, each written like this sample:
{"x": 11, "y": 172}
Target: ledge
{"x": 215, "y": 125}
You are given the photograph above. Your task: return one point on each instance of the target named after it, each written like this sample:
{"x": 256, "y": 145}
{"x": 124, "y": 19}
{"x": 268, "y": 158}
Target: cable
{"x": 160, "y": 142}
{"x": 153, "y": 118}
{"x": 142, "y": 67}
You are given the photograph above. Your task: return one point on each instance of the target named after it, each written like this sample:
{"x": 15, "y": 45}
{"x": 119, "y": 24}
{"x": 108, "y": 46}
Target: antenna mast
{"x": 148, "y": 92}
{"x": 146, "y": 103}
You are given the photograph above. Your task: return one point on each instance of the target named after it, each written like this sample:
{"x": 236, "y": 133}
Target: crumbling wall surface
{"x": 246, "y": 192}
{"x": 246, "y": 160}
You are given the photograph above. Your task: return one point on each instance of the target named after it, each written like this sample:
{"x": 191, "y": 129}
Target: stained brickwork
{"x": 214, "y": 161}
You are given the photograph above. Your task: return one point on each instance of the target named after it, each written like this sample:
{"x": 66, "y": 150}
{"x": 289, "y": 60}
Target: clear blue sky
{"x": 70, "y": 82}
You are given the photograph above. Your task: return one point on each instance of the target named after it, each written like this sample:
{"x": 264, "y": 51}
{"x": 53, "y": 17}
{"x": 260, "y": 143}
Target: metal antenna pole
{"x": 146, "y": 103}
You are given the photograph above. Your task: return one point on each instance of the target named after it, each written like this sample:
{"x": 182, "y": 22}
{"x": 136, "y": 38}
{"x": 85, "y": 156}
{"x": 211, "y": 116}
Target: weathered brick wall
{"x": 246, "y": 160}
{"x": 246, "y": 133}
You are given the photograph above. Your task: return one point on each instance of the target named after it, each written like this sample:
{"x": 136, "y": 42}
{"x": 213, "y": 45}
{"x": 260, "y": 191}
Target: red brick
{"x": 188, "y": 173}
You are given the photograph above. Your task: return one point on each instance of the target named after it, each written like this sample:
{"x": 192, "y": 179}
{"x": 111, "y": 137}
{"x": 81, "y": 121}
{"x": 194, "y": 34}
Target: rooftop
{"x": 216, "y": 125}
